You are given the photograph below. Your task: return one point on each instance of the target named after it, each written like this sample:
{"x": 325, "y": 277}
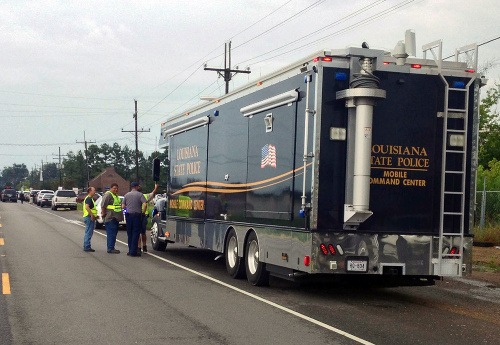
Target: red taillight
{"x": 307, "y": 260}
{"x": 331, "y": 248}
{"x": 470, "y": 71}
{"x": 416, "y": 65}
{"x": 323, "y": 248}
{"x": 386, "y": 63}
{"x": 454, "y": 250}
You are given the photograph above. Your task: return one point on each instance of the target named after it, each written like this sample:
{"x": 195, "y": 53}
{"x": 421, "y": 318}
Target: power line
{"x": 348, "y": 28}
{"x": 479, "y": 45}
{"x": 261, "y": 19}
{"x": 64, "y": 96}
{"x": 58, "y": 107}
{"x": 341, "y": 20}
{"x": 282, "y": 22}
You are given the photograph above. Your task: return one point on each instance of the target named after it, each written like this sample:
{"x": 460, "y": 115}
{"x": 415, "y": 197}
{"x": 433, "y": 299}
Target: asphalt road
{"x": 62, "y": 295}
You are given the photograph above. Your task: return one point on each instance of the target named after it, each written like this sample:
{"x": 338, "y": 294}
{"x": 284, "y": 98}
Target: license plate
{"x": 357, "y": 265}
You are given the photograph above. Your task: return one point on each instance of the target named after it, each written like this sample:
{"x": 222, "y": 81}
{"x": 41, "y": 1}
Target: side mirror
{"x": 156, "y": 169}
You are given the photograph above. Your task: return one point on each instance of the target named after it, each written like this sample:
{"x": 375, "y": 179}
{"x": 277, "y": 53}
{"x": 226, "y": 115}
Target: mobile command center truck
{"x": 349, "y": 162}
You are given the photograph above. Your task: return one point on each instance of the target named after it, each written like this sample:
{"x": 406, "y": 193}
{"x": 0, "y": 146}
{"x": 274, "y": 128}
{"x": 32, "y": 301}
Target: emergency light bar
{"x": 269, "y": 103}
{"x": 186, "y": 126}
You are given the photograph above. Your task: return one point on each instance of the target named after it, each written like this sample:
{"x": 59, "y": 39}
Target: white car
{"x": 41, "y": 193}
{"x": 65, "y": 199}
{"x": 45, "y": 199}
{"x": 99, "y": 221}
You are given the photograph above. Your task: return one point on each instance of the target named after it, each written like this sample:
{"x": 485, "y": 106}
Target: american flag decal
{"x": 268, "y": 156}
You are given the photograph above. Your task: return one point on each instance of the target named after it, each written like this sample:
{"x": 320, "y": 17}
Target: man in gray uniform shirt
{"x": 135, "y": 203}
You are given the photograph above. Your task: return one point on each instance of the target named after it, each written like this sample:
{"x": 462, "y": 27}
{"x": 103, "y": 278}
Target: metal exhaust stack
{"x": 361, "y": 95}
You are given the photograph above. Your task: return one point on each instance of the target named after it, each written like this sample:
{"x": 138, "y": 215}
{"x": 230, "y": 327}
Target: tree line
{"x": 73, "y": 171}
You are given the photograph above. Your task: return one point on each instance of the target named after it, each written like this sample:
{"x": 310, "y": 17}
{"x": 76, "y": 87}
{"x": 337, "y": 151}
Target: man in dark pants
{"x": 135, "y": 203}
{"x": 111, "y": 211}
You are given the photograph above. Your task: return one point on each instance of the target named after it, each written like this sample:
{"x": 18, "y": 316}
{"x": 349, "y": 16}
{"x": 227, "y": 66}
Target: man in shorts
{"x": 142, "y": 237}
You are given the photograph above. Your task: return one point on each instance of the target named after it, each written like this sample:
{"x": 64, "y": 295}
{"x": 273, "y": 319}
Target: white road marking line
{"x": 234, "y": 288}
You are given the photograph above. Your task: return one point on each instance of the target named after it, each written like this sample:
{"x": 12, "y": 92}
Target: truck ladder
{"x": 455, "y": 123}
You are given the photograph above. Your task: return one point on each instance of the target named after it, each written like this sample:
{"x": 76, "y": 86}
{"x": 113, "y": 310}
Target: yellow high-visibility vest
{"x": 117, "y": 204}
{"x": 92, "y": 209}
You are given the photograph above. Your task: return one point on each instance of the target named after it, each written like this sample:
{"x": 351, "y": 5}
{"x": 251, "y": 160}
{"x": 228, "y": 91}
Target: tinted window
{"x": 66, "y": 193}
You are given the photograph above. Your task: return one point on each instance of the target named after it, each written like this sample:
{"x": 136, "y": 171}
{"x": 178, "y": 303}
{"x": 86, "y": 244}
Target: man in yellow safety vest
{"x": 89, "y": 214}
{"x": 111, "y": 209}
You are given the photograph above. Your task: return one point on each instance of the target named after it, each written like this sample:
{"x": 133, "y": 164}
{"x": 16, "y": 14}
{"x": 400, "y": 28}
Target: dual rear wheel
{"x": 248, "y": 263}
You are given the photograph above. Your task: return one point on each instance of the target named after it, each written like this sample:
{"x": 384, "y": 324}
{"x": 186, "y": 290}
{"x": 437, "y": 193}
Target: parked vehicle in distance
{"x": 26, "y": 195}
{"x": 40, "y": 193}
{"x": 64, "y": 199}
{"x": 46, "y": 199}
{"x": 9, "y": 195}
{"x": 100, "y": 221}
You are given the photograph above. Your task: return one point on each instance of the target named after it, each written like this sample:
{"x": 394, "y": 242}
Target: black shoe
{"x": 145, "y": 249}
{"x": 114, "y": 251}
{"x": 89, "y": 250}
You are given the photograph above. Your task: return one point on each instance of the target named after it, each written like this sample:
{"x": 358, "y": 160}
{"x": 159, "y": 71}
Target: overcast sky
{"x": 74, "y": 66}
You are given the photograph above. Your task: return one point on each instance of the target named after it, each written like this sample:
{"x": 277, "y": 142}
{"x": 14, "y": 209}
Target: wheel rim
{"x": 253, "y": 256}
{"x": 232, "y": 251}
{"x": 154, "y": 233}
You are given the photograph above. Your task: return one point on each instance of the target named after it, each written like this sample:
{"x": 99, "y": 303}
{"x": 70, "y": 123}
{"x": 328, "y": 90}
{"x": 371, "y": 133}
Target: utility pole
{"x": 136, "y": 142}
{"x": 86, "y": 156}
{"x": 227, "y": 72}
{"x": 60, "y": 165}
{"x": 41, "y": 173}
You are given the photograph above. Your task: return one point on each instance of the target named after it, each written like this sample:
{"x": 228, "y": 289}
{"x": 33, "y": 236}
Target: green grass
{"x": 490, "y": 233}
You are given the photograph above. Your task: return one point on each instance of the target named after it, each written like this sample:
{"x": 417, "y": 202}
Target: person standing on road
{"x": 135, "y": 203}
{"x": 144, "y": 223}
{"x": 89, "y": 214}
{"x": 21, "y": 197}
{"x": 111, "y": 210}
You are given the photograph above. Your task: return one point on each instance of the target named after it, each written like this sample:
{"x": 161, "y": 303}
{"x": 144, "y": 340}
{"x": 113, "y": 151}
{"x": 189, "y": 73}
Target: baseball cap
{"x": 134, "y": 184}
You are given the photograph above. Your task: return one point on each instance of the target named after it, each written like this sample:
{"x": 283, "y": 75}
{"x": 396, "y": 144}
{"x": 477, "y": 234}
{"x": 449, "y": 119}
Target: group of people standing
{"x": 136, "y": 217}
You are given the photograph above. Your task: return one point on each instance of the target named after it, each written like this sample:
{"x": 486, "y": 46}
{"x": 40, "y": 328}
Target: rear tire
{"x": 155, "y": 242}
{"x": 256, "y": 270}
{"x": 234, "y": 263}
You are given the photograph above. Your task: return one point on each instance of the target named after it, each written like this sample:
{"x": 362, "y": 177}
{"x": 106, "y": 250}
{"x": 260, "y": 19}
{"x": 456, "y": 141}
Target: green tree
{"x": 14, "y": 175}
{"x": 74, "y": 173}
{"x": 489, "y": 127}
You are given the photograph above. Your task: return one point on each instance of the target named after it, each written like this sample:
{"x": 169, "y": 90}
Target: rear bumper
{"x": 404, "y": 255}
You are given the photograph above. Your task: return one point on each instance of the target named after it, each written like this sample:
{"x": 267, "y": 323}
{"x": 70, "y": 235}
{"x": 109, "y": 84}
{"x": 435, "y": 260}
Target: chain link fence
{"x": 487, "y": 208}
